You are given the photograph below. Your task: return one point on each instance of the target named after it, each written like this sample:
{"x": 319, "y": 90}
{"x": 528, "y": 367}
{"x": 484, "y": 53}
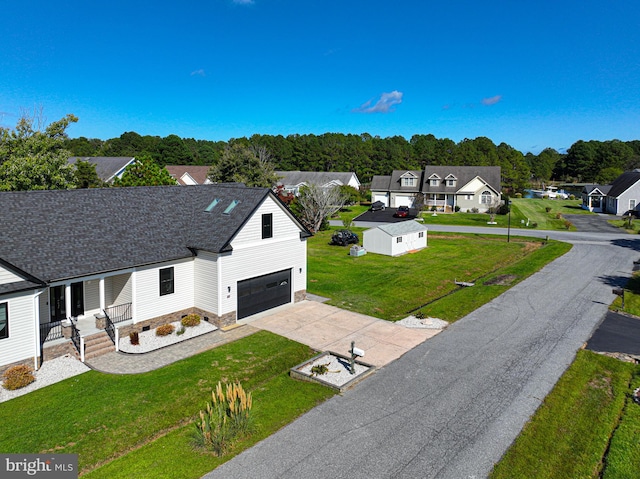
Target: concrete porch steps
{"x": 97, "y": 345}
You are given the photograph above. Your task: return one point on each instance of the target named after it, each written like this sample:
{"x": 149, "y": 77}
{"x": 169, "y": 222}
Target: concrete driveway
{"x": 327, "y": 328}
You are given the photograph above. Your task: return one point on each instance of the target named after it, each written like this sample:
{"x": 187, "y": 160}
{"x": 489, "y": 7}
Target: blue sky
{"x": 533, "y": 74}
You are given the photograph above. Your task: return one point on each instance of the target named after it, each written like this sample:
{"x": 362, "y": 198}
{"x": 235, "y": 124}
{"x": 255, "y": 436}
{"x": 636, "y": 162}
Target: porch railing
{"x": 75, "y": 338}
{"x": 50, "y": 331}
{"x": 118, "y": 312}
{"x": 110, "y": 329}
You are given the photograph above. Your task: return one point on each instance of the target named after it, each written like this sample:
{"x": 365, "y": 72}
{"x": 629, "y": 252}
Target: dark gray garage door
{"x": 263, "y": 292}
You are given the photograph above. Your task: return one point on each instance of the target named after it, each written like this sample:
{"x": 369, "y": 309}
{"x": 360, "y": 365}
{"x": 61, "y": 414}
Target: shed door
{"x": 263, "y": 292}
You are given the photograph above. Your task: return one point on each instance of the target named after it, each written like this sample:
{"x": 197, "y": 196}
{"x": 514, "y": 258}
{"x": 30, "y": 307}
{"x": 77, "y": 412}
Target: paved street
{"x": 450, "y": 407}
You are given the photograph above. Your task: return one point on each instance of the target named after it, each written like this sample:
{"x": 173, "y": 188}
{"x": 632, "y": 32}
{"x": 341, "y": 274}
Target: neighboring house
{"x": 108, "y": 168}
{"x": 443, "y": 187}
{"x": 394, "y": 239}
{"x": 399, "y": 189}
{"x": 190, "y": 174}
{"x": 292, "y": 181}
{"x": 144, "y": 256}
{"x": 617, "y": 198}
{"x": 624, "y": 194}
{"x": 594, "y": 197}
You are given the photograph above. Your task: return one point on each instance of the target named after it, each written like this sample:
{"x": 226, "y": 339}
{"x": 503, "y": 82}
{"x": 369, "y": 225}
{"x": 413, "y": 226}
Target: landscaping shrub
{"x": 558, "y": 215}
{"x": 475, "y": 210}
{"x": 568, "y": 224}
{"x": 518, "y": 195}
{"x": 134, "y": 337}
{"x": 548, "y": 209}
{"x": 180, "y": 331}
{"x": 165, "y": 330}
{"x": 456, "y": 208}
{"x": 227, "y": 418}
{"x": 190, "y": 320}
{"x": 17, "y": 377}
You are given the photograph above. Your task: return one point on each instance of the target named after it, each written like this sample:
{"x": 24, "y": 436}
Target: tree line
{"x": 26, "y": 147}
{"x": 367, "y": 155}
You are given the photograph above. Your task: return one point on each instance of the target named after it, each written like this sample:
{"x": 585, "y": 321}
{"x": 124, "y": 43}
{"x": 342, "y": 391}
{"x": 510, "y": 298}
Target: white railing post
{"x": 82, "y": 348}
{"x": 117, "y": 338}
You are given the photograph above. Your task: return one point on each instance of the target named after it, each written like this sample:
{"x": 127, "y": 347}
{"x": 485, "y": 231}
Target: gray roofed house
{"x": 443, "y": 187}
{"x": 292, "y": 181}
{"x": 621, "y": 196}
{"x": 108, "y": 168}
{"x": 155, "y": 252}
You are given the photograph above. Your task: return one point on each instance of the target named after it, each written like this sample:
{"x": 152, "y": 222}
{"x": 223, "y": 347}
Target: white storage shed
{"x": 395, "y": 239}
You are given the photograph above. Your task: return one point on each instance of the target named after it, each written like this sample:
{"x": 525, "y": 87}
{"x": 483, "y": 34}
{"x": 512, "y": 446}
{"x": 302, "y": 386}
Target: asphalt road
{"x": 451, "y": 407}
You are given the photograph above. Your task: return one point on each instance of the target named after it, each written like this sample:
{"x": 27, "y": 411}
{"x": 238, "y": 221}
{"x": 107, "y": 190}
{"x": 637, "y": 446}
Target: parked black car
{"x": 377, "y": 206}
{"x": 344, "y": 238}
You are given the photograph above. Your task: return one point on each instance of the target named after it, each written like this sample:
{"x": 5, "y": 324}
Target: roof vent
{"x": 231, "y": 206}
{"x": 212, "y": 205}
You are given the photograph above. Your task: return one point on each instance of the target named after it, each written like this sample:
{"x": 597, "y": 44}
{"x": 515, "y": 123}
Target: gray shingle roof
{"x": 380, "y": 183}
{"x": 463, "y": 174}
{"x": 395, "y": 184}
{"x": 316, "y": 177}
{"x": 59, "y": 234}
{"x": 402, "y": 228}
{"x": 623, "y": 182}
{"x": 107, "y": 167}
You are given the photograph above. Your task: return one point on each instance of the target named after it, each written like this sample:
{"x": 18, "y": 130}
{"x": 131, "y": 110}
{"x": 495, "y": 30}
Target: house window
{"x": 485, "y": 198}
{"x": 451, "y": 182}
{"x": 421, "y": 234}
{"x": 433, "y": 182}
{"x": 632, "y": 204}
{"x": 267, "y": 225}
{"x": 399, "y": 239}
{"x": 166, "y": 281}
{"x": 408, "y": 182}
{"x": 4, "y": 320}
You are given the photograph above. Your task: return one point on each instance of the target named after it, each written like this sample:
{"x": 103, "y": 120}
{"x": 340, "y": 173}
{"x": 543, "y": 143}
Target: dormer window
{"x": 410, "y": 181}
{"x": 434, "y": 180}
{"x": 450, "y": 181}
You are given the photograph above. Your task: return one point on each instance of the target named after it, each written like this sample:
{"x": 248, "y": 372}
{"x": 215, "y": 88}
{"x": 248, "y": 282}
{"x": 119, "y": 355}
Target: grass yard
{"x": 535, "y": 210}
{"x": 139, "y": 425}
{"x": 587, "y": 427}
{"x": 392, "y": 287}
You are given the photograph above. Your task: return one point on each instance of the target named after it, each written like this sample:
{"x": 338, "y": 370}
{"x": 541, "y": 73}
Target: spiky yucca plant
{"x": 227, "y": 416}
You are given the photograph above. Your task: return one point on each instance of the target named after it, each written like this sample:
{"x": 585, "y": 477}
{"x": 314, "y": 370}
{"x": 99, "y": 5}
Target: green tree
{"x": 241, "y": 164}
{"x": 144, "y": 172}
{"x": 34, "y": 158}
{"x": 86, "y": 175}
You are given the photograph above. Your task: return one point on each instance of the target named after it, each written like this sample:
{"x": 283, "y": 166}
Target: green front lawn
{"x": 587, "y": 427}
{"x": 139, "y": 425}
{"x": 392, "y": 287}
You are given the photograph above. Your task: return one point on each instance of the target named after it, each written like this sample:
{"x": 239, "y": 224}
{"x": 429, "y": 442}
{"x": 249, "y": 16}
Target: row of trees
{"x": 34, "y": 156}
{"x": 367, "y": 155}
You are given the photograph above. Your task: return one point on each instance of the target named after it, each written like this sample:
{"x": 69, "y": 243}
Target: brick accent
{"x": 48, "y": 353}
{"x": 219, "y": 321}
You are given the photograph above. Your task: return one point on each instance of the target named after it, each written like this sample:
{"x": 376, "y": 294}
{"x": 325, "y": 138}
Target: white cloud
{"x": 385, "y": 103}
{"x": 492, "y": 100}
{"x": 199, "y": 73}
{"x": 243, "y": 2}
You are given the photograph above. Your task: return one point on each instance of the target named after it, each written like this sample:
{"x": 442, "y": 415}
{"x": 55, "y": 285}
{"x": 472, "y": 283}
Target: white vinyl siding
{"x": 149, "y": 303}
{"x": 260, "y": 260}
{"x": 20, "y": 344}
{"x": 118, "y": 289}
{"x": 7, "y": 276}
{"x": 206, "y": 282}
{"x": 251, "y": 233}
{"x": 91, "y": 297}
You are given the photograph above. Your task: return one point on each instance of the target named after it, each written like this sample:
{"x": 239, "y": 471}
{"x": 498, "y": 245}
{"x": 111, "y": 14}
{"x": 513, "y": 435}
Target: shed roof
{"x": 402, "y": 228}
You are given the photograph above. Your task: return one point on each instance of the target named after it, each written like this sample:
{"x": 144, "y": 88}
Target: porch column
{"x": 101, "y": 292}
{"x": 67, "y": 299}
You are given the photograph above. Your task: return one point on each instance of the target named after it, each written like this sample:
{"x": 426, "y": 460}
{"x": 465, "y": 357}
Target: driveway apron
{"x": 450, "y": 407}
